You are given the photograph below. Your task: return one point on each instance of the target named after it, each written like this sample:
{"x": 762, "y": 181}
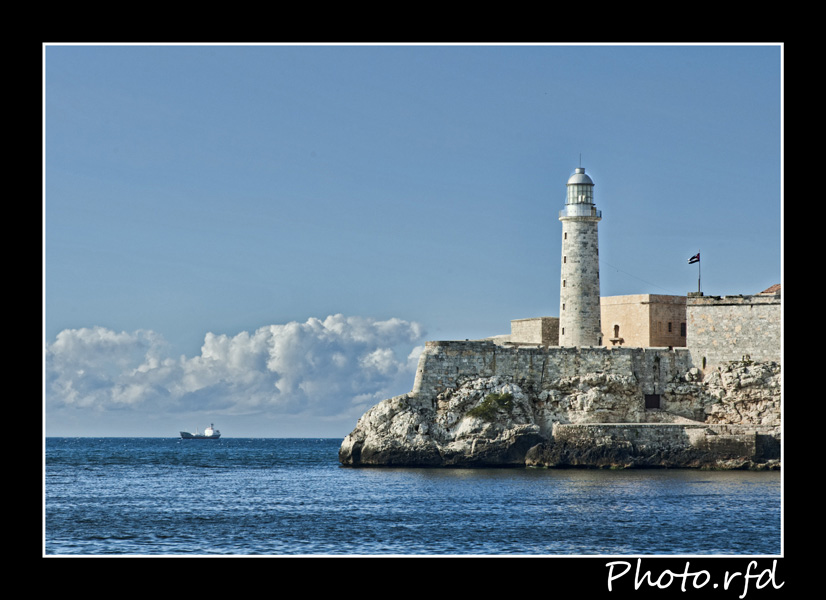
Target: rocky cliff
{"x": 573, "y": 408}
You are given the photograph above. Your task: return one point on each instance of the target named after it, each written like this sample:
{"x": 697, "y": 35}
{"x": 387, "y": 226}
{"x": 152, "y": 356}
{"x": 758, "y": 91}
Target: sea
{"x": 291, "y": 497}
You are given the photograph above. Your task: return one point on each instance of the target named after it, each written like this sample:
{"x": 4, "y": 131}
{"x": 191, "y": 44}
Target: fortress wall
{"x": 446, "y": 364}
{"x": 654, "y": 435}
{"x": 442, "y": 364}
{"x": 645, "y": 440}
{"x": 719, "y": 329}
{"x": 729, "y": 328}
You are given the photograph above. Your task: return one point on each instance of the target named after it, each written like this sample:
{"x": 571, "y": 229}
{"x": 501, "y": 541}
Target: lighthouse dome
{"x": 580, "y": 178}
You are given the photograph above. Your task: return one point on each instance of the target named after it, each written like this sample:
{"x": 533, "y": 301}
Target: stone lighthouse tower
{"x": 579, "y": 318}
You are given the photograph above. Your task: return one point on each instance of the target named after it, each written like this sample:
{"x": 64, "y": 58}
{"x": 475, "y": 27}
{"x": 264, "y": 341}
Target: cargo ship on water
{"x": 210, "y": 433}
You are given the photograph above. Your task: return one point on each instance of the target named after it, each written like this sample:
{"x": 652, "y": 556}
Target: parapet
{"x": 765, "y": 299}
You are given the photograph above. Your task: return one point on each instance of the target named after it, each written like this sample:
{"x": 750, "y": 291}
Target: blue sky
{"x": 264, "y": 236}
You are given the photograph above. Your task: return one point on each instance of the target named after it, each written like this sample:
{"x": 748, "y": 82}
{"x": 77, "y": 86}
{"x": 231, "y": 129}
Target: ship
{"x": 210, "y": 433}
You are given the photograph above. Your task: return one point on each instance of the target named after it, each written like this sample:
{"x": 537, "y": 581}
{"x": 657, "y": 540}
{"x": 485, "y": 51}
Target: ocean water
{"x": 236, "y": 496}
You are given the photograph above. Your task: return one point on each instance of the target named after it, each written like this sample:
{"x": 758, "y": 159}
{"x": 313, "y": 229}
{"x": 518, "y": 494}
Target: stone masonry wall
{"x": 644, "y": 445}
{"x": 446, "y": 365}
{"x": 729, "y": 328}
{"x": 540, "y": 331}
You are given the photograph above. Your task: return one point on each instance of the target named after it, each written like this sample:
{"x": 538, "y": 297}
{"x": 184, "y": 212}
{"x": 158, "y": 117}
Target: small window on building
{"x": 652, "y": 401}
{"x": 669, "y": 327}
{"x": 616, "y": 331}
{"x": 682, "y": 329}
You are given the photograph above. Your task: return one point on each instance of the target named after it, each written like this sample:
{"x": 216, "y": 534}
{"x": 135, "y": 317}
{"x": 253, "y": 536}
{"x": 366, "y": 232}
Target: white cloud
{"x": 338, "y": 365}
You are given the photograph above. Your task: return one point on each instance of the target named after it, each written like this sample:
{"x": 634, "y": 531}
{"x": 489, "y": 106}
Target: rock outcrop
{"x": 728, "y": 418}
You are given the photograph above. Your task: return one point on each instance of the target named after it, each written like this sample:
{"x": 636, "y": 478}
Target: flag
{"x": 694, "y": 259}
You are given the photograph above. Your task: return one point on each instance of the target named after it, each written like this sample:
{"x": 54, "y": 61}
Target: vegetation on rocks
{"x": 490, "y": 406}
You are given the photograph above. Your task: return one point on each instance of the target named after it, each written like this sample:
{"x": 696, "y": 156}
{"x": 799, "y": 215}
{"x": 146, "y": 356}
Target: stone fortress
{"x": 625, "y": 381}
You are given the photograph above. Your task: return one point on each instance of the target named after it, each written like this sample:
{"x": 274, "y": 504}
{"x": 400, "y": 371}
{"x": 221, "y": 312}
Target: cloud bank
{"x": 331, "y": 367}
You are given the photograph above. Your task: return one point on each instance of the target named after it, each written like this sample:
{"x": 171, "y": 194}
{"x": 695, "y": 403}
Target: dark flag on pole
{"x": 691, "y": 261}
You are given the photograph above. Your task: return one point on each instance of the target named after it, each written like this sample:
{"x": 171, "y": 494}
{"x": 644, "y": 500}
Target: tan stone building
{"x": 541, "y": 331}
{"x": 643, "y": 321}
{"x": 637, "y": 321}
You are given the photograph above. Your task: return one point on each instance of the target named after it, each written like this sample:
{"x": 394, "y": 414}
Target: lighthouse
{"x": 579, "y": 310}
